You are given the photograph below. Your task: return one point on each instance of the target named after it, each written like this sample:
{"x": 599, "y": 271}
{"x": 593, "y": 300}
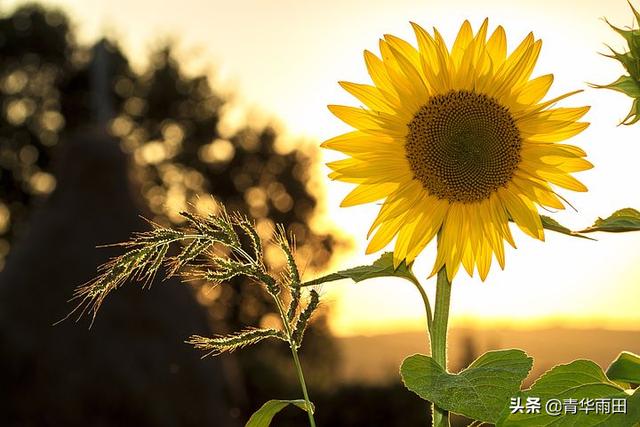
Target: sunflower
{"x": 458, "y": 143}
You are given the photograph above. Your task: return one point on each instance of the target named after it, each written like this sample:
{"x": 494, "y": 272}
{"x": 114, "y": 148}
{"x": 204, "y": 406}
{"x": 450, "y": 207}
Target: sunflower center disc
{"x": 462, "y": 146}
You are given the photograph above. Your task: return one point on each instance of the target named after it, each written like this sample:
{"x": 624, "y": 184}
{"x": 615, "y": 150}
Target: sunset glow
{"x": 284, "y": 59}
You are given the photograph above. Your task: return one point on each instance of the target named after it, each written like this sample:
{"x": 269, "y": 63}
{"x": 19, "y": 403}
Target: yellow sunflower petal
{"x": 499, "y": 218}
{"x": 563, "y": 180}
{"x": 356, "y": 143}
{"x": 434, "y": 61}
{"x": 385, "y": 234}
{"x": 537, "y": 108}
{"x": 492, "y": 231}
{"x": 418, "y": 88}
{"x": 404, "y": 237}
{"x": 523, "y": 213}
{"x": 543, "y": 196}
{"x": 534, "y": 90}
{"x": 541, "y": 149}
{"x": 370, "y": 122}
{"x": 465, "y": 36}
{"x": 429, "y": 225}
{"x": 453, "y": 235}
{"x": 358, "y": 118}
{"x": 514, "y": 71}
{"x": 575, "y": 165}
{"x": 551, "y": 120}
{"x": 484, "y": 259}
{"x": 398, "y": 79}
{"x": 404, "y": 48}
{"x": 497, "y": 47}
{"x": 407, "y": 194}
{"x": 379, "y": 76}
{"x": 393, "y": 169}
{"x": 368, "y": 193}
{"x": 553, "y": 132}
{"x": 370, "y": 96}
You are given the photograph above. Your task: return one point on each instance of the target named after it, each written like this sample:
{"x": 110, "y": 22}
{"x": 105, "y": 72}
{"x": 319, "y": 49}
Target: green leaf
{"x": 630, "y": 35}
{"x": 634, "y": 113}
{"x": 624, "y": 84}
{"x": 625, "y": 368}
{"x": 582, "y": 381}
{"x": 263, "y": 416}
{"x": 620, "y": 221}
{"x": 630, "y": 60}
{"x": 382, "y": 267}
{"x": 632, "y": 40}
{"x": 553, "y": 225}
{"x": 481, "y": 391}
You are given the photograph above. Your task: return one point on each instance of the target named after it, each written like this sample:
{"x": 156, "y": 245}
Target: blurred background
{"x": 110, "y": 111}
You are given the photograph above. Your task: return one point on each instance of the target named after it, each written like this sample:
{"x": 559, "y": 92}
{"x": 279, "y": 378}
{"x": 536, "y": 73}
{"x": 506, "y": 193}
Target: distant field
{"x": 375, "y": 359}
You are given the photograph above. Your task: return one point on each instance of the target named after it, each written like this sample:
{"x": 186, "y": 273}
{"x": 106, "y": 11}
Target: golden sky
{"x": 285, "y": 57}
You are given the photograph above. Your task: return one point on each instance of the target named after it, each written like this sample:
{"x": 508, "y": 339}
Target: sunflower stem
{"x": 438, "y": 334}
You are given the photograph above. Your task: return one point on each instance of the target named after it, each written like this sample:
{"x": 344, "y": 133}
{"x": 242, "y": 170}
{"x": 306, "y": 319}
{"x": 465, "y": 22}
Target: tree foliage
{"x": 169, "y": 123}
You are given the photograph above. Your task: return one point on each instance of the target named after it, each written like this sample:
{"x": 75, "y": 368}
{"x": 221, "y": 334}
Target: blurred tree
{"x": 66, "y": 375}
{"x": 168, "y": 123}
{"x": 35, "y": 56}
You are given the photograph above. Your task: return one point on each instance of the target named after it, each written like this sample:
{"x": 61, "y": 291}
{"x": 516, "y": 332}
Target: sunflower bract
{"x": 456, "y": 142}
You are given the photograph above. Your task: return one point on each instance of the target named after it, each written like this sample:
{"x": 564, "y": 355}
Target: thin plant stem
{"x": 303, "y": 385}
{"x": 296, "y": 361}
{"x": 416, "y": 283}
{"x": 423, "y": 295}
{"x": 439, "y": 337}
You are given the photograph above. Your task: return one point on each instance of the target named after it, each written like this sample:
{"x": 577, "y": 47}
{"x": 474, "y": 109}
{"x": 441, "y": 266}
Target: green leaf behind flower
{"x": 623, "y": 220}
{"x": 624, "y": 84}
{"x": 626, "y": 219}
{"x": 632, "y": 36}
{"x": 382, "y": 267}
{"x": 549, "y": 223}
{"x": 625, "y": 368}
{"x": 263, "y": 416}
{"x": 481, "y": 391}
{"x": 630, "y": 60}
{"x": 580, "y": 379}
